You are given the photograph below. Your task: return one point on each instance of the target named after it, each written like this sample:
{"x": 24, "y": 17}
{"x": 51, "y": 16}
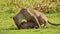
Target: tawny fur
{"x": 33, "y": 15}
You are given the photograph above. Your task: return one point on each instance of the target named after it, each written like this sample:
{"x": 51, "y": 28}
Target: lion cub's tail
{"x": 53, "y": 23}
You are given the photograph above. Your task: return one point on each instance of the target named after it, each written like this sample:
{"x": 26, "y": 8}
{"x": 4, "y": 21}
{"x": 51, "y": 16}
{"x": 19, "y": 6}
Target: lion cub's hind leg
{"x": 45, "y": 24}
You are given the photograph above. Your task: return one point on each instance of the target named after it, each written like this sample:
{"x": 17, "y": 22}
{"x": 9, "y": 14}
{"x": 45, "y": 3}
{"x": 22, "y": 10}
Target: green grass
{"x": 7, "y": 25}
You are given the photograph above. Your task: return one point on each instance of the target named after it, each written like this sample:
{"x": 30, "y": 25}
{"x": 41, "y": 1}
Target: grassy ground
{"x": 7, "y": 25}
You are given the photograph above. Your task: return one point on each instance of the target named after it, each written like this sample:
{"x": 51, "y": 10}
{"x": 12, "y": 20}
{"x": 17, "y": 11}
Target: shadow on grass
{"x": 50, "y": 27}
{"x": 10, "y": 29}
{"x": 20, "y": 29}
{"x": 17, "y": 29}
